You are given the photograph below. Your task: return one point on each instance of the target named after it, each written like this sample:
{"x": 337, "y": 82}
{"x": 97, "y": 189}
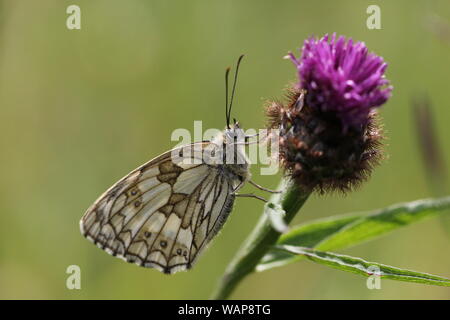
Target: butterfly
{"x": 163, "y": 214}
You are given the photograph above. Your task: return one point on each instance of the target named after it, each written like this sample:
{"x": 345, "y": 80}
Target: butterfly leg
{"x": 262, "y": 188}
{"x": 238, "y": 186}
{"x": 260, "y": 138}
{"x": 250, "y": 195}
{"x": 251, "y": 136}
{"x": 246, "y": 141}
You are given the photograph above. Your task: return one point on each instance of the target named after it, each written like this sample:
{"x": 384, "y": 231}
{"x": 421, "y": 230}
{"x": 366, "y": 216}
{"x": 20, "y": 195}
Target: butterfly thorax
{"x": 231, "y": 151}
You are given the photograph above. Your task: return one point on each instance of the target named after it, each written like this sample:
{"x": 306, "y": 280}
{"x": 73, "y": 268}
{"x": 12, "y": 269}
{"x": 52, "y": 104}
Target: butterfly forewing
{"x": 164, "y": 213}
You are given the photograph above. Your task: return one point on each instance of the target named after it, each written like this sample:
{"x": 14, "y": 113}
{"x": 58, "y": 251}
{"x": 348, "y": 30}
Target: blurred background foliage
{"x": 79, "y": 109}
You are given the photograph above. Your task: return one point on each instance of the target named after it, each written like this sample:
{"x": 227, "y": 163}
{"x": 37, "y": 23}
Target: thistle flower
{"x": 330, "y": 138}
{"x": 342, "y": 77}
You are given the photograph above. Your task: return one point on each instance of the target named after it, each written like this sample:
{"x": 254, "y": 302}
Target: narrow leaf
{"x": 341, "y": 232}
{"x": 308, "y": 235}
{"x": 365, "y": 268}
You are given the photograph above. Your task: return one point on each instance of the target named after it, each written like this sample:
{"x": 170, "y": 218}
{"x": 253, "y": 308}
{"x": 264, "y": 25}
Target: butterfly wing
{"x": 163, "y": 213}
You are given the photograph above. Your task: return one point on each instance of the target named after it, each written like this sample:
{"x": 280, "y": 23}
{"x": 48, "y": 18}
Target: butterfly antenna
{"x": 234, "y": 85}
{"x": 227, "y": 114}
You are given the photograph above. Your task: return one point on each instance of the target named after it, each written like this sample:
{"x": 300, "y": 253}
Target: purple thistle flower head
{"x": 341, "y": 77}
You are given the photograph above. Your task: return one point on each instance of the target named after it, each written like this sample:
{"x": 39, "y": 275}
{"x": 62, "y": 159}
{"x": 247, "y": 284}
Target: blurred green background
{"x": 81, "y": 108}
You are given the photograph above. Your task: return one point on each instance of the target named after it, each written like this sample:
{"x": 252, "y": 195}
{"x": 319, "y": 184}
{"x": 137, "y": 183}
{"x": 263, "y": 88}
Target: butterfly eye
{"x": 163, "y": 244}
{"x": 147, "y": 234}
{"x": 179, "y": 252}
{"x": 137, "y": 203}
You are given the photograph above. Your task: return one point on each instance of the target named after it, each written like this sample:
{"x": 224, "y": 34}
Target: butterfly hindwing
{"x": 162, "y": 214}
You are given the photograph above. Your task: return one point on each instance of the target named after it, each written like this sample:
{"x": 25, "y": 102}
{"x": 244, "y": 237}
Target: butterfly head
{"x": 234, "y": 134}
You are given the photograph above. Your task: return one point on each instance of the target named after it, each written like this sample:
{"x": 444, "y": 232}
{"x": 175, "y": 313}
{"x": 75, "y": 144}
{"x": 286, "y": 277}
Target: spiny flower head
{"x": 342, "y": 77}
{"x": 330, "y": 136}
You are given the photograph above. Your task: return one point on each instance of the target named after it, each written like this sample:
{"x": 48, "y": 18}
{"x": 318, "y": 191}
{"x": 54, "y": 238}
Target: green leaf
{"x": 344, "y": 231}
{"x": 364, "y": 268}
{"x": 308, "y": 235}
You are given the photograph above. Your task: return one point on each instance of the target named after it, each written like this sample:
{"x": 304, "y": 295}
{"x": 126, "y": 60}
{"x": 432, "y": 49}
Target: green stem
{"x": 263, "y": 237}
